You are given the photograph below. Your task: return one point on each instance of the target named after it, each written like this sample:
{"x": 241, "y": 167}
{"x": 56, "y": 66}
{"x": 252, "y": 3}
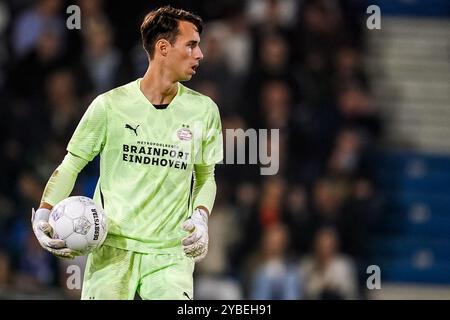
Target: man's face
{"x": 185, "y": 55}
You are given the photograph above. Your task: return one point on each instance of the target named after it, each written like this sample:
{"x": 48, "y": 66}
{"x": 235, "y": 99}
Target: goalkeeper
{"x": 158, "y": 142}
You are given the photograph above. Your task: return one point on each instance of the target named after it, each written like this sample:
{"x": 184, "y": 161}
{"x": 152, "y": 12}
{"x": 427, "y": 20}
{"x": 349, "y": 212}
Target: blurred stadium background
{"x": 364, "y": 119}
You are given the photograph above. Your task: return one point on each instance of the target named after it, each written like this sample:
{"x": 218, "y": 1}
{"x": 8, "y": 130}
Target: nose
{"x": 199, "y": 55}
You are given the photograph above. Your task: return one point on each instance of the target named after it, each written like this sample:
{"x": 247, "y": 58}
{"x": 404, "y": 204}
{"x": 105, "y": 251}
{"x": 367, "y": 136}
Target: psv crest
{"x": 184, "y": 134}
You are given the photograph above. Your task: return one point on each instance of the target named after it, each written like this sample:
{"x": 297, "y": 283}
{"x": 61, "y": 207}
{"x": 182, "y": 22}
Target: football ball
{"x": 80, "y": 223}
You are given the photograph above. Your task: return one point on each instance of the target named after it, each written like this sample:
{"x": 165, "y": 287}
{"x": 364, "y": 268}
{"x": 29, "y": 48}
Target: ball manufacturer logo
{"x": 184, "y": 134}
{"x": 97, "y": 224}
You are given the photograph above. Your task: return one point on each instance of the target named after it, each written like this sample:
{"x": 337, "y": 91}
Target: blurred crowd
{"x": 293, "y": 65}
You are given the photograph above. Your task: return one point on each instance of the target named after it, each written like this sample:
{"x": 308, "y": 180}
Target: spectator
{"x": 357, "y": 109}
{"x": 348, "y": 68}
{"x": 31, "y": 24}
{"x": 297, "y": 218}
{"x": 328, "y": 210}
{"x": 327, "y": 273}
{"x": 275, "y": 276}
{"x": 238, "y": 51}
{"x": 101, "y": 61}
{"x": 5, "y": 272}
{"x": 275, "y": 102}
{"x": 63, "y": 104}
{"x": 271, "y": 64}
{"x": 346, "y": 157}
{"x": 215, "y": 72}
{"x": 4, "y": 20}
{"x": 91, "y": 12}
{"x": 35, "y": 270}
{"x": 37, "y": 64}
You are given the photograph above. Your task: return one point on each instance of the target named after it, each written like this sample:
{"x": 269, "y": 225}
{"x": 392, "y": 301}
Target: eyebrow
{"x": 193, "y": 42}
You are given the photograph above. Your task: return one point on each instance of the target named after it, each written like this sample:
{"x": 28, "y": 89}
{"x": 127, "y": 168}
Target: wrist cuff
{"x": 41, "y": 214}
{"x": 201, "y": 214}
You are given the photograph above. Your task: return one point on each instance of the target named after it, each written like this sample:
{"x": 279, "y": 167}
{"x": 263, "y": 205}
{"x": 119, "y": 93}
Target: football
{"x": 80, "y": 223}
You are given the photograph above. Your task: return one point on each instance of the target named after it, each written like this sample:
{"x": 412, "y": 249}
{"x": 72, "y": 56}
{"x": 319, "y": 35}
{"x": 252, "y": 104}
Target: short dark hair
{"x": 163, "y": 23}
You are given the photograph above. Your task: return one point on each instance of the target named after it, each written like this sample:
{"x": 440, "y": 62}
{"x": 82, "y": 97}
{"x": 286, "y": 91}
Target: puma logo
{"x": 127, "y": 126}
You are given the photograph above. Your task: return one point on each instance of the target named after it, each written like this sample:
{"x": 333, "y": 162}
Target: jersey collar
{"x": 145, "y": 100}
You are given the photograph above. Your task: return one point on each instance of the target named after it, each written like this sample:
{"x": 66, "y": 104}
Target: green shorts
{"x": 113, "y": 274}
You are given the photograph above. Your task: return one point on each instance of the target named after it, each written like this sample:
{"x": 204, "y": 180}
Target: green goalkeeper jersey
{"x": 147, "y": 159}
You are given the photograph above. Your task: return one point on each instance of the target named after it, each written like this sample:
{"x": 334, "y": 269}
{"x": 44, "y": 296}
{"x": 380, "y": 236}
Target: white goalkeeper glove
{"x": 195, "y": 245}
{"x": 43, "y": 231}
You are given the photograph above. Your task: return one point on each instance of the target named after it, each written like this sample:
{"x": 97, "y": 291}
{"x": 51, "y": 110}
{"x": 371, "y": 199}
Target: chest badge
{"x": 184, "y": 133}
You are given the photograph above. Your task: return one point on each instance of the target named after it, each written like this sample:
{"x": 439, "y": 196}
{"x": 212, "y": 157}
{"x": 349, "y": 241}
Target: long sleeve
{"x": 62, "y": 181}
{"x": 204, "y": 192}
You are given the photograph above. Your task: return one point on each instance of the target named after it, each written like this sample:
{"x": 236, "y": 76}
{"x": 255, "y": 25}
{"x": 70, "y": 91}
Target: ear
{"x": 162, "y": 46}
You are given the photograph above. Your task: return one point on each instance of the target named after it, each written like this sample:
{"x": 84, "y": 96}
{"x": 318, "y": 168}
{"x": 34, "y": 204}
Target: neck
{"x": 158, "y": 86}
